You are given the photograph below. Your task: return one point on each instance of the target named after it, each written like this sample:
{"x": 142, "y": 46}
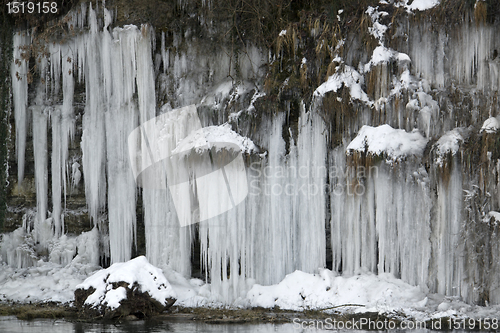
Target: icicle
{"x": 311, "y": 156}
{"x": 19, "y": 77}
{"x": 76, "y": 175}
{"x": 164, "y": 53}
{"x": 40, "y": 152}
{"x": 55, "y": 68}
{"x": 145, "y": 77}
{"x": 446, "y": 261}
{"x": 121, "y": 119}
{"x": 93, "y": 137}
{"x": 57, "y": 169}
{"x": 67, "y": 113}
{"x": 167, "y": 243}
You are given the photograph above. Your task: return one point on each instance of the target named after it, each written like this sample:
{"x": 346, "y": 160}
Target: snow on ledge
{"x": 396, "y": 143}
{"x": 420, "y": 5}
{"x": 490, "y": 125}
{"x": 219, "y": 136}
{"x": 448, "y": 143}
{"x": 348, "y": 77}
{"x": 492, "y": 214}
{"x": 138, "y": 270}
{"x": 382, "y": 54}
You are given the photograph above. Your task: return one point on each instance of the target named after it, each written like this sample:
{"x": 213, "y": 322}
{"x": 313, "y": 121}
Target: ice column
{"x": 167, "y": 243}
{"x": 57, "y": 169}
{"x": 19, "y": 71}
{"x": 377, "y": 209}
{"x": 447, "y": 262}
{"x": 121, "y": 119}
{"x": 40, "y": 151}
{"x": 93, "y": 137}
{"x": 311, "y": 176}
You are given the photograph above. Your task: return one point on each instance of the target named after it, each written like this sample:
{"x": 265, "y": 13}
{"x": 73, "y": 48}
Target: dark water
{"x": 13, "y": 325}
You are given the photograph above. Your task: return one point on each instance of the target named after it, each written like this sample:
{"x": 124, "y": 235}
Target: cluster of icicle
{"x": 115, "y": 65}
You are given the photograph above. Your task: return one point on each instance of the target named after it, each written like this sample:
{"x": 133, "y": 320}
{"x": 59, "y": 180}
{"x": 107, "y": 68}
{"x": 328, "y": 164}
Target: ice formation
{"x": 19, "y": 71}
{"x": 301, "y": 189}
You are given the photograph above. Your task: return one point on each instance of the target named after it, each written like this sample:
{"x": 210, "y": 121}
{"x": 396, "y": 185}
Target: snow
{"x": 492, "y": 214}
{"x": 299, "y": 291}
{"x": 448, "y": 143}
{"x": 138, "y": 270}
{"x": 395, "y": 143}
{"x": 377, "y": 30}
{"x": 344, "y": 76}
{"x": 381, "y": 55}
{"x": 44, "y": 282}
{"x": 221, "y": 136}
{"x": 420, "y": 5}
{"x": 490, "y": 125}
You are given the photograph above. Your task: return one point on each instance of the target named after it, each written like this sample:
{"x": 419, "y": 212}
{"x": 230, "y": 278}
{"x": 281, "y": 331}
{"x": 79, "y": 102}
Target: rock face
{"x": 134, "y": 287}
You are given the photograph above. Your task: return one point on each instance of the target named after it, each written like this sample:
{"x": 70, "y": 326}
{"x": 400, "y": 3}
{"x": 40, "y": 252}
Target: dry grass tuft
{"x": 480, "y": 12}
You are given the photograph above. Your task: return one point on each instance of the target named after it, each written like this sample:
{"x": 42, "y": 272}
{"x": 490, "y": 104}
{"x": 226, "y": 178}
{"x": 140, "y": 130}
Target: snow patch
{"x": 494, "y": 215}
{"x": 299, "y": 291}
{"x": 382, "y": 54}
{"x": 420, "y": 5}
{"x": 346, "y": 76}
{"x": 448, "y": 143}
{"x": 395, "y": 143}
{"x": 219, "y": 136}
{"x": 490, "y": 125}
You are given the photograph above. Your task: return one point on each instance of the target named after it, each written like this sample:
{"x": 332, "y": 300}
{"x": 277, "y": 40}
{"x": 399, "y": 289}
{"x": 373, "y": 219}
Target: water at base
{"x": 13, "y": 325}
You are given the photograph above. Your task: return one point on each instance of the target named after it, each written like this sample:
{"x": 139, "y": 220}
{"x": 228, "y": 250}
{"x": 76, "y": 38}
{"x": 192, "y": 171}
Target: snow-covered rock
{"x": 394, "y": 143}
{"x": 220, "y": 137}
{"x": 416, "y": 5}
{"x": 132, "y": 287}
{"x": 490, "y": 125}
{"x": 448, "y": 143}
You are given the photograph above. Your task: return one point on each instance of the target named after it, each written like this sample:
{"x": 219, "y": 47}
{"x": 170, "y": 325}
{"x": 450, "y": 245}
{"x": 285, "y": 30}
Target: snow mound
{"x": 299, "y": 291}
{"x": 490, "y": 125}
{"x": 138, "y": 271}
{"x": 221, "y": 137}
{"x": 395, "y": 143}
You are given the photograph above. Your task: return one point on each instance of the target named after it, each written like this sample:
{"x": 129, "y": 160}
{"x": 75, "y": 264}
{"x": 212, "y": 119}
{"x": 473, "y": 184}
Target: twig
{"x": 339, "y": 306}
